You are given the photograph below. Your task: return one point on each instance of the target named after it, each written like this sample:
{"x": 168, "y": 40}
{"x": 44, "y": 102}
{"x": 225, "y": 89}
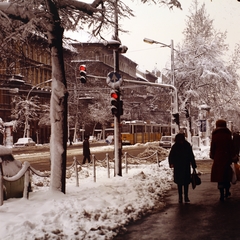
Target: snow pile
{"x": 94, "y": 210}
{"x": 5, "y": 150}
{"x": 202, "y": 154}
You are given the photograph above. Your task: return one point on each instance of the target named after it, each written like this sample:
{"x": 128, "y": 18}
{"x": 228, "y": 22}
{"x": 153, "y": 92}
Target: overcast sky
{"x": 162, "y": 24}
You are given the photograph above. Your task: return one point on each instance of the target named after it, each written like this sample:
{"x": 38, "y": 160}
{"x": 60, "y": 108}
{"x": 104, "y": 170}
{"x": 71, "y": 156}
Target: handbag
{"x": 237, "y": 170}
{"x": 195, "y": 179}
{"x": 234, "y": 175}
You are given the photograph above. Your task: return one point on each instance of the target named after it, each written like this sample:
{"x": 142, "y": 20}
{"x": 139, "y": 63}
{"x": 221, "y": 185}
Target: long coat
{"x": 86, "y": 148}
{"x": 221, "y": 151}
{"x": 181, "y": 157}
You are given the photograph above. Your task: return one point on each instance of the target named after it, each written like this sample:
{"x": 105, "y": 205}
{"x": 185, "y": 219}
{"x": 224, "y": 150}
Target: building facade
{"x": 28, "y": 69}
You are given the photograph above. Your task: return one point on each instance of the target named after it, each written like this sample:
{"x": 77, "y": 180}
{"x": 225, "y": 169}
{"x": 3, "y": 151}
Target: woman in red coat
{"x": 221, "y": 151}
{"x": 181, "y": 158}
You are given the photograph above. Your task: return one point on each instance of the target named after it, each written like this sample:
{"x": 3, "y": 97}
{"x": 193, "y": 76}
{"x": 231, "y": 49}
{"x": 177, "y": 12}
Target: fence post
{"x": 126, "y": 163}
{"x": 108, "y": 167}
{"x": 76, "y": 171}
{"x": 26, "y": 183}
{"x": 94, "y": 168}
{"x": 157, "y": 158}
{"x": 1, "y": 183}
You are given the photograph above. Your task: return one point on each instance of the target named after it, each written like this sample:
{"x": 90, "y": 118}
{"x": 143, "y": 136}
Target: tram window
{"x": 148, "y": 129}
{"x": 155, "y": 129}
{"x": 126, "y": 128}
{"x": 138, "y": 129}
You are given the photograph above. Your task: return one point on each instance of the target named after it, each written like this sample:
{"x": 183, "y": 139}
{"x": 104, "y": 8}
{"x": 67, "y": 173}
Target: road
{"x": 39, "y": 156}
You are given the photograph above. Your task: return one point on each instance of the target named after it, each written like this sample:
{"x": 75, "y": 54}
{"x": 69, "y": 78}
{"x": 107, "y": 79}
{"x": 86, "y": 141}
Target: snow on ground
{"x": 94, "y": 210}
{"x": 202, "y": 153}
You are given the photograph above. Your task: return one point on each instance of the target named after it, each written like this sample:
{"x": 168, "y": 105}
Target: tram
{"x": 141, "y": 132}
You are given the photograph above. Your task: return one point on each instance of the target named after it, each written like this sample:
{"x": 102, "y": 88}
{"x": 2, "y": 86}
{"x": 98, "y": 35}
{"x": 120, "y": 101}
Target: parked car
{"x": 24, "y": 142}
{"x": 109, "y": 139}
{"x": 92, "y": 139}
{"x": 166, "y": 142}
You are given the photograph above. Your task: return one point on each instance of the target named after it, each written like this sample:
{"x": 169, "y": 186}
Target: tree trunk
{"x": 58, "y": 104}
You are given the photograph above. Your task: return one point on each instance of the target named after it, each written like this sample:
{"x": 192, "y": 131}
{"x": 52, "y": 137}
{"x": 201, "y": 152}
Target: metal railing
{"x": 27, "y": 169}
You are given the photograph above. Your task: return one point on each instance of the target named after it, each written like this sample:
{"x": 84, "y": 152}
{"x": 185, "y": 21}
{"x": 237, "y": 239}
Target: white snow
{"x": 94, "y": 210}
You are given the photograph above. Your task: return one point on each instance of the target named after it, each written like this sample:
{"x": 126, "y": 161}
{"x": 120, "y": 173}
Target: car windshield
{"x": 166, "y": 138}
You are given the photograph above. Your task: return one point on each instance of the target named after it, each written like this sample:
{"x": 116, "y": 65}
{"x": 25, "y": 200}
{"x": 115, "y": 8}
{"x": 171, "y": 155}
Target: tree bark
{"x": 58, "y": 103}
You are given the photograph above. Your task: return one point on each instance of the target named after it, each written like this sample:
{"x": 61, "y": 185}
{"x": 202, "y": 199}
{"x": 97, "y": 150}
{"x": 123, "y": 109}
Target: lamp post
{"x": 174, "y": 100}
{"x": 26, "y": 127}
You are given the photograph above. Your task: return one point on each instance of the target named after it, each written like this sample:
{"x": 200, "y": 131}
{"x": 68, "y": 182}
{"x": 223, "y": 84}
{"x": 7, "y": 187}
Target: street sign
{"x": 114, "y": 80}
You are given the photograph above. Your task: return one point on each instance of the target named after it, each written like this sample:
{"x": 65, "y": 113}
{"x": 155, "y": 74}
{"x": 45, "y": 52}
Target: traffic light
{"x": 176, "y": 118}
{"x": 186, "y": 113}
{"x": 114, "y": 102}
{"x": 117, "y": 104}
{"x": 83, "y": 72}
{"x": 120, "y": 108}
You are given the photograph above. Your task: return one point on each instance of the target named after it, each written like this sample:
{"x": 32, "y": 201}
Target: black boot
{"x": 221, "y": 194}
{"x": 186, "y": 199}
{"x": 227, "y": 188}
{"x": 227, "y": 193}
{"x": 180, "y": 199}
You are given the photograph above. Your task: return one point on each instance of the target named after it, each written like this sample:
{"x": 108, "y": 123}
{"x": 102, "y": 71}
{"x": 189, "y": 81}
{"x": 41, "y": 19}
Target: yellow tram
{"x": 141, "y": 132}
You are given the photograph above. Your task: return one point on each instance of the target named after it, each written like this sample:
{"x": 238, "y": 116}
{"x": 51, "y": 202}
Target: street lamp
{"x": 174, "y": 100}
{"x": 151, "y": 41}
{"x": 26, "y": 127}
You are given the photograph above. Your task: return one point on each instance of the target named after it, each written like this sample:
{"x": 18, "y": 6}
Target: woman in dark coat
{"x": 181, "y": 158}
{"x": 222, "y": 153}
{"x": 86, "y": 151}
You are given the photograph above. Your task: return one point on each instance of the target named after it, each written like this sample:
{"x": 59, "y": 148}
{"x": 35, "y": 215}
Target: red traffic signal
{"x": 114, "y": 102}
{"x": 117, "y": 104}
{"x": 82, "y": 68}
{"x": 114, "y": 95}
{"x": 83, "y": 72}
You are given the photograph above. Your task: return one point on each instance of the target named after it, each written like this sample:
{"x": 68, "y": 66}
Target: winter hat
{"x": 221, "y": 123}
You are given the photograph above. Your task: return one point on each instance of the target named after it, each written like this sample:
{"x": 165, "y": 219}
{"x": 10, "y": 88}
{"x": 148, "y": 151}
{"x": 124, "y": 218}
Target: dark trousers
{"x": 185, "y": 187}
{"x": 84, "y": 159}
{"x": 224, "y": 186}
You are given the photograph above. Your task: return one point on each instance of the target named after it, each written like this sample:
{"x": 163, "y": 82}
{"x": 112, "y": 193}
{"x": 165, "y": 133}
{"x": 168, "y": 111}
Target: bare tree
{"x": 25, "y": 111}
{"x": 100, "y": 111}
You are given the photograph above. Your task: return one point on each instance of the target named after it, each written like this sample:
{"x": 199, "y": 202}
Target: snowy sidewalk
{"x": 205, "y": 217}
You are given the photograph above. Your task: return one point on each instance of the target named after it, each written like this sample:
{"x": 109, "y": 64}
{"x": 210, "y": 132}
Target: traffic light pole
{"x": 117, "y": 129}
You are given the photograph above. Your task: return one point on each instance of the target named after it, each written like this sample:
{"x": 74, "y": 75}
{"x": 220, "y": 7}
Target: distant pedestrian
{"x": 86, "y": 150}
{"x": 181, "y": 158}
{"x": 236, "y": 145}
{"x": 222, "y": 153}
{"x": 70, "y": 140}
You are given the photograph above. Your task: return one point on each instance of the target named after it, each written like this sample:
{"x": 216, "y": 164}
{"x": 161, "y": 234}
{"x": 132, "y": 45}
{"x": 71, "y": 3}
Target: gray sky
{"x": 162, "y": 24}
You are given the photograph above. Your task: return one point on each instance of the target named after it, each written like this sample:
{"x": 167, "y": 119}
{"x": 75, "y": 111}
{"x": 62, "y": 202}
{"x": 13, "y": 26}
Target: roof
{"x": 82, "y": 36}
